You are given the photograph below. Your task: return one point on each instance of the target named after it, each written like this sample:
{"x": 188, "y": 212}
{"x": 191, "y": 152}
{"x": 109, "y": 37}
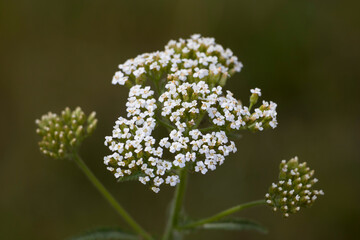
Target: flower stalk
{"x": 176, "y": 206}
{"x": 109, "y": 197}
{"x": 223, "y": 214}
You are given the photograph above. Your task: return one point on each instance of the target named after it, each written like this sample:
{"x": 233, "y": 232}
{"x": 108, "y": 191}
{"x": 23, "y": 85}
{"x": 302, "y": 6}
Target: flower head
{"x": 294, "y": 189}
{"x": 189, "y": 99}
{"x": 61, "y": 134}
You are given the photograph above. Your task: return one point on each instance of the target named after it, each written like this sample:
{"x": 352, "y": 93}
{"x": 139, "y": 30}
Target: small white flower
{"x": 118, "y": 173}
{"x": 201, "y": 73}
{"x": 158, "y": 181}
{"x": 200, "y": 167}
{"x": 137, "y": 73}
{"x": 144, "y": 180}
{"x": 211, "y": 164}
{"x": 273, "y": 123}
{"x": 172, "y": 180}
{"x": 155, "y": 189}
{"x": 179, "y": 160}
{"x": 258, "y": 126}
{"x": 256, "y": 91}
{"x": 190, "y": 157}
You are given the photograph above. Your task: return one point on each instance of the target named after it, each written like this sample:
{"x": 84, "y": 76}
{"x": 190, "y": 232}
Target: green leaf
{"x": 132, "y": 177}
{"x": 237, "y": 224}
{"x": 106, "y": 234}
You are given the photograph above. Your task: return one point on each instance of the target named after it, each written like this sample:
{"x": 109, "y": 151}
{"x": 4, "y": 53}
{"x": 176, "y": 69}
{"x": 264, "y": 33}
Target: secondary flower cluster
{"x": 133, "y": 146}
{"x": 294, "y": 189}
{"x": 194, "y": 59}
{"x": 184, "y": 102}
{"x": 63, "y": 133}
{"x": 189, "y": 100}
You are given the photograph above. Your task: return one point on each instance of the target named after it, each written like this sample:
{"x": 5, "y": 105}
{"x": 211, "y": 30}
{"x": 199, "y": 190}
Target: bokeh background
{"x": 304, "y": 55}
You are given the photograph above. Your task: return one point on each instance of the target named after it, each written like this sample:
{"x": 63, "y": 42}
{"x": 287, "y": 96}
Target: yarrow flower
{"x": 189, "y": 99}
{"x": 61, "y": 134}
{"x": 294, "y": 188}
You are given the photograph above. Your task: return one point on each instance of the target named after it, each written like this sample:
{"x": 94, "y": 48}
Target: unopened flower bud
{"x": 61, "y": 134}
{"x": 256, "y": 93}
{"x": 294, "y": 189}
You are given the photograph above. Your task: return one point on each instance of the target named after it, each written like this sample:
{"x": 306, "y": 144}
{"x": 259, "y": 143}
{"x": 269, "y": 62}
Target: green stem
{"x": 251, "y": 105}
{"x": 157, "y": 88}
{"x": 209, "y": 129}
{"x": 176, "y": 206}
{"x": 198, "y": 121}
{"x": 165, "y": 124}
{"x": 223, "y": 214}
{"x": 107, "y": 195}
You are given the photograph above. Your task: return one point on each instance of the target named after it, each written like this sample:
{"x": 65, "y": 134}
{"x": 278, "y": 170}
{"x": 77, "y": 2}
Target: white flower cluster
{"x": 188, "y": 76}
{"x": 133, "y": 146}
{"x": 184, "y": 101}
{"x": 188, "y": 60}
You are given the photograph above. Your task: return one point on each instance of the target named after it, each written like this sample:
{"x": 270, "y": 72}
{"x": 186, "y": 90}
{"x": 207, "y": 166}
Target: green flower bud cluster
{"x": 294, "y": 189}
{"x": 61, "y": 134}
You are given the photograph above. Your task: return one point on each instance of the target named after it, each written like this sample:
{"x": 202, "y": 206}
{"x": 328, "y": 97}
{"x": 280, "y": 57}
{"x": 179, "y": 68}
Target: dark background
{"x": 304, "y": 55}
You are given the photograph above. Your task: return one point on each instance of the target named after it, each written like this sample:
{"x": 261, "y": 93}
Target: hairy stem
{"x": 107, "y": 195}
{"x": 223, "y": 214}
{"x": 176, "y": 206}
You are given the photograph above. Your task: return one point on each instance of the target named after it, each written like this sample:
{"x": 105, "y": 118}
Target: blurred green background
{"x": 304, "y": 55}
